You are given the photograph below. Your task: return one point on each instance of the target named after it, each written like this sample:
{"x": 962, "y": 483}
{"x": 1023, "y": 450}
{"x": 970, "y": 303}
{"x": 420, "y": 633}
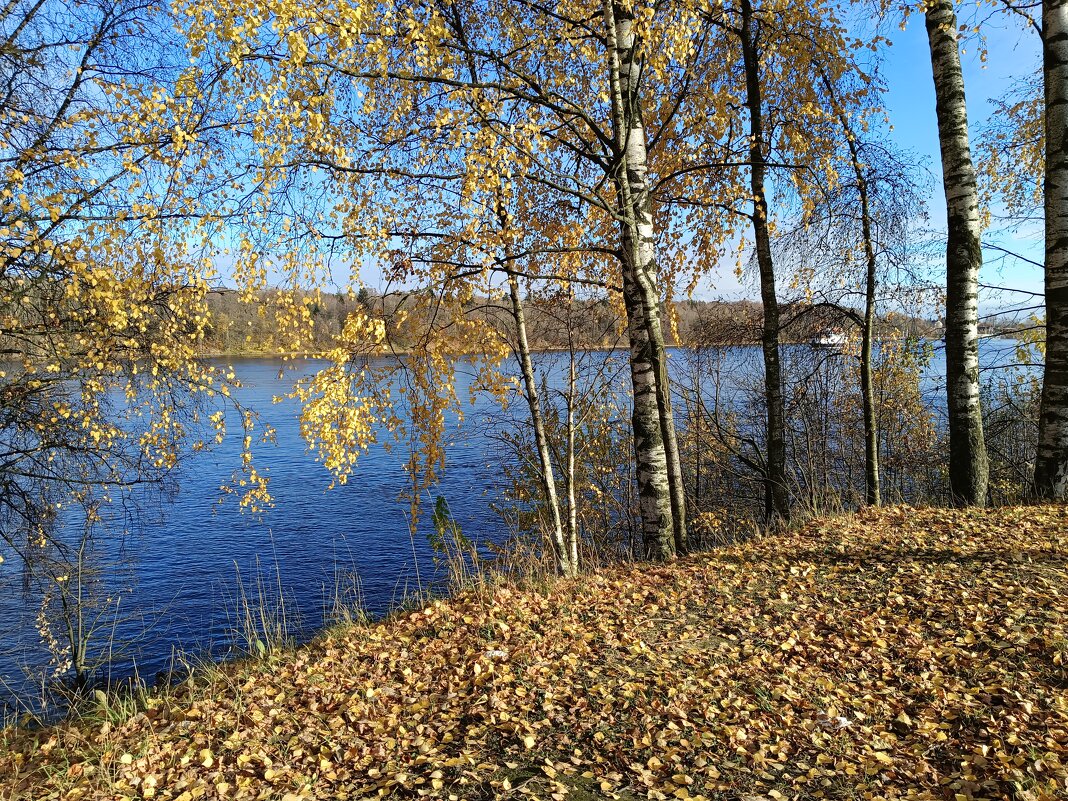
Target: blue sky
{"x": 1012, "y": 51}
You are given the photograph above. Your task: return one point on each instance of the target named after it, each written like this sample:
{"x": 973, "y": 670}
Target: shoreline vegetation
{"x": 621, "y": 348}
{"x": 895, "y": 653}
{"x": 236, "y": 324}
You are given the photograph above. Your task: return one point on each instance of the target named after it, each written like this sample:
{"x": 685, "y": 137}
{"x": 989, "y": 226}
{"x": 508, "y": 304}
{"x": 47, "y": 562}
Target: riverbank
{"x": 622, "y": 347}
{"x": 901, "y": 653}
{"x": 392, "y": 352}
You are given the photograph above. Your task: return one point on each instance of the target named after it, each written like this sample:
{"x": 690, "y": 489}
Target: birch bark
{"x": 569, "y": 476}
{"x": 660, "y": 490}
{"x": 968, "y": 468}
{"x": 1051, "y": 465}
{"x": 565, "y": 566}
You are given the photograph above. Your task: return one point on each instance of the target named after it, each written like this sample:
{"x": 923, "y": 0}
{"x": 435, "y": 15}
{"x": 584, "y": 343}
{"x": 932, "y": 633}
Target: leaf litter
{"x": 897, "y": 653}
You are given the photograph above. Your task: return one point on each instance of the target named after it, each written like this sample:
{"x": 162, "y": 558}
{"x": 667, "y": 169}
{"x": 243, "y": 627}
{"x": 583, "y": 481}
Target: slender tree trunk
{"x": 872, "y": 490}
{"x": 1051, "y": 464}
{"x": 660, "y": 491}
{"x": 968, "y": 469}
{"x": 694, "y": 419}
{"x": 777, "y": 498}
{"x": 679, "y": 520}
{"x": 569, "y": 458}
{"x": 564, "y": 564}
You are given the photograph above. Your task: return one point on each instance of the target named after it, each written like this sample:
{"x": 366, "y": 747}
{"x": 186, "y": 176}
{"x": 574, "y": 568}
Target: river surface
{"x": 175, "y": 576}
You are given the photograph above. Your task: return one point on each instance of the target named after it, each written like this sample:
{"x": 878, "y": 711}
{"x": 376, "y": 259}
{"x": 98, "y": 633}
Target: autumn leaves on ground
{"x": 902, "y": 653}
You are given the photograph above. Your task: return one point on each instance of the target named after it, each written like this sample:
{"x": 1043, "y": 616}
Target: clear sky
{"x": 1012, "y": 52}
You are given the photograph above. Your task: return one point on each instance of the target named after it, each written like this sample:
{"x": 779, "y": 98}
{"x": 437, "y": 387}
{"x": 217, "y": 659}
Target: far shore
{"x": 261, "y": 354}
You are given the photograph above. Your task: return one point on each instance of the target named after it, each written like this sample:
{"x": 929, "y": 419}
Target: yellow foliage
{"x": 105, "y": 267}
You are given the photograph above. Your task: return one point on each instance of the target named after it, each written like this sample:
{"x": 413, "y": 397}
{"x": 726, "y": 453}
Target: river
{"x": 173, "y": 576}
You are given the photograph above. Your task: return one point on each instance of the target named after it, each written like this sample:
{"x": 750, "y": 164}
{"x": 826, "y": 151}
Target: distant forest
{"x": 239, "y": 327}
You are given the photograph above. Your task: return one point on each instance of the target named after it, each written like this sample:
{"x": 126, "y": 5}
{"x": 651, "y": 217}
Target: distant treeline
{"x": 242, "y": 327}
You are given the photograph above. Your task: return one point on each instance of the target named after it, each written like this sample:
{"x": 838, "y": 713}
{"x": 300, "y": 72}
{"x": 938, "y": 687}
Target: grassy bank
{"x": 903, "y": 653}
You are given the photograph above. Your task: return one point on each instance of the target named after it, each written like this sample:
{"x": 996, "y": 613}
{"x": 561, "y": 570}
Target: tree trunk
{"x": 569, "y": 477}
{"x": 671, "y": 442}
{"x": 1051, "y": 464}
{"x": 872, "y": 494}
{"x": 564, "y": 564}
{"x": 872, "y": 490}
{"x": 968, "y": 469}
{"x": 660, "y": 490}
{"x": 777, "y": 498}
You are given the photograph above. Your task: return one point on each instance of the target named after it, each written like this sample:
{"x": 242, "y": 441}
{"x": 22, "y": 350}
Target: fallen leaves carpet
{"x": 894, "y": 654}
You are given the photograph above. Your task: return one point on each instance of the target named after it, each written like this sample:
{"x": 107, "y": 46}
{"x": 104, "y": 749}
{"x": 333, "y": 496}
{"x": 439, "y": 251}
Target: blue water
{"x": 173, "y": 572}
{"x": 176, "y": 570}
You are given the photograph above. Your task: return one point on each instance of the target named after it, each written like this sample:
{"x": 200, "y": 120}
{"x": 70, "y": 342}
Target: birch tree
{"x": 777, "y": 503}
{"x": 566, "y": 556}
{"x": 421, "y": 114}
{"x": 1024, "y": 166}
{"x": 788, "y": 148}
{"x": 656, "y": 446}
{"x": 968, "y": 468}
{"x": 850, "y": 254}
{"x": 1051, "y": 465}
{"x": 872, "y": 494}
{"x": 102, "y": 268}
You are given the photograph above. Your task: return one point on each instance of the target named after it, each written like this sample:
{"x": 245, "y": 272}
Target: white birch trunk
{"x": 968, "y": 469}
{"x": 569, "y": 478}
{"x": 656, "y": 449}
{"x": 565, "y": 566}
{"x": 1051, "y": 465}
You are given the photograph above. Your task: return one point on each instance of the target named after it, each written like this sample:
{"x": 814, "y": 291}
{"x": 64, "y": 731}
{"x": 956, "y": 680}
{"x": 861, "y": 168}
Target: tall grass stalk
{"x": 344, "y": 603}
{"x": 261, "y": 624}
